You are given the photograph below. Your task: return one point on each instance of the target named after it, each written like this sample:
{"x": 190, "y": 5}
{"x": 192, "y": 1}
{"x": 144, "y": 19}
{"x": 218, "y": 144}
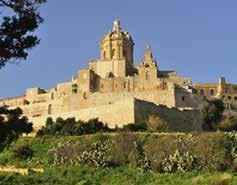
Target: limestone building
{"x": 221, "y": 90}
{"x": 118, "y": 92}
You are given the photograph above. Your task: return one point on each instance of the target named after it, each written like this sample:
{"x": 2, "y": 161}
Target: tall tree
{"x": 17, "y": 29}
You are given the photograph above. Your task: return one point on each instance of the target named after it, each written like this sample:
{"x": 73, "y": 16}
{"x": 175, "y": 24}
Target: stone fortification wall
{"x": 17, "y": 101}
{"x": 131, "y": 110}
{"x": 186, "y": 99}
{"x": 178, "y": 119}
{"x": 118, "y": 113}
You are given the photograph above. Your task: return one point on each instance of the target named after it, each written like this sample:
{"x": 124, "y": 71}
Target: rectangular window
{"x": 183, "y": 98}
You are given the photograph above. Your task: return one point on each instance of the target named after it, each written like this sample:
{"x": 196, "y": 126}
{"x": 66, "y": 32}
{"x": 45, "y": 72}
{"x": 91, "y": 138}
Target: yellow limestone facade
{"x": 221, "y": 90}
{"x": 115, "y": 90}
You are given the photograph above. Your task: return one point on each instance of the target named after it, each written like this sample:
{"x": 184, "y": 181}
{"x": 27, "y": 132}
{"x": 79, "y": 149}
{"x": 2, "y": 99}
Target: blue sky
{"x": 195, "y": 38}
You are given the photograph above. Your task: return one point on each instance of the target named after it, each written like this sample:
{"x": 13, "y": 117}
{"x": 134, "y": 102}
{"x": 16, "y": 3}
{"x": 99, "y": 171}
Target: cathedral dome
{"x": 117, "y": 44}
{"x": 117, "y": 32}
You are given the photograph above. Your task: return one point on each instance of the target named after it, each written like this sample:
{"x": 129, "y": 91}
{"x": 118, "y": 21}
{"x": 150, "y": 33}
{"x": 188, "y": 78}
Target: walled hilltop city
{"x": 117, "y": 92}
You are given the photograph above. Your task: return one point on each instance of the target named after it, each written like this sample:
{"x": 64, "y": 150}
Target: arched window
{"x": 113, "y": 53}
{"x": 212, "y": 92}
{"x": 119, "y": 51}
{"x": 183, "y": 98}
{"x": 202, "y": 92}
{"x": 50, "y": 109}
{"x": 74, "y": 88}
{"x": 124, "y": 54}
{"x": 52, "y": 96}
{"x": 104, "y": 55}
{"x": 147, "y": 75}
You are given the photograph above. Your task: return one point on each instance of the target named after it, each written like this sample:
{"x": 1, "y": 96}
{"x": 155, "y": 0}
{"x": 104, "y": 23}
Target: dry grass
{"x": 222, "y": 179}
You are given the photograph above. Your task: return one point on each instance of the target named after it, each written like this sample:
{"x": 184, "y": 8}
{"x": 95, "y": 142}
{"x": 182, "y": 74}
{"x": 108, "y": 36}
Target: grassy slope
{"x": 125, "y": 176}
{"x": 79, "y": 175}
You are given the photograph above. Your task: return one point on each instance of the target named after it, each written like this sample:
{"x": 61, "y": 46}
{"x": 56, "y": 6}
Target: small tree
{"x": 211, "y": 114}
{"x": 12, "y": 125}
{"x": 156, "y": 123}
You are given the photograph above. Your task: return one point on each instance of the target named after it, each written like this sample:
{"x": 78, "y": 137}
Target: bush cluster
{"x": 141, "y": 159}
{"x": 71, "y": 127}
{"x": 23, "y": 152}
{"x": 75, "y": 153}
{"x": 96, "y": 155}
{"x": 164, "y": 153}
{"x": 211, "y": 113}
{"x": 180, "y": 162}
{"x": 135, "y": 127}
{"x": 232, "y": 144}
{"x": 228, "y": 125}
{"x": 65, "y": 153}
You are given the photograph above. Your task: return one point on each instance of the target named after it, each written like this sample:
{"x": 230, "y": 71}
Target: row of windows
{"x": 202, "y": 92}
{"x": 124, "y": 85}
{"x": 230, "y": 97}
{"x": 105, "y": 55}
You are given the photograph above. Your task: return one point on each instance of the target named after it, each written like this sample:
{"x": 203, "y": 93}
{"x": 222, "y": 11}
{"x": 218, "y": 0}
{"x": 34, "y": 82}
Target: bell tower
{"x": 148, "y": 60}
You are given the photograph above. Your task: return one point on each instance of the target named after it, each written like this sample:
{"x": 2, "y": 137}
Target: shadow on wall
{"x": 177, "y": 120}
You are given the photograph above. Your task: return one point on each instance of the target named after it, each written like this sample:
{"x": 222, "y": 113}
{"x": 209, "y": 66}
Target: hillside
{"x": 58, "y": 157}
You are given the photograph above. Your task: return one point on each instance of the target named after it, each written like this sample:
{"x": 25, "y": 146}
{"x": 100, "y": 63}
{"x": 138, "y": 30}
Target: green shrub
{"x": 231, "y": 138}
{"x": 232, "y": 144}
{"x": 228, "y": 125}
{"x": 235, "y": 165}
{"x": 96, "y": 155}
{"x": 180, "y": 162}
{"x": 210, "y": 148}
{"x": 122, "y": 152}
{"x": 135, "y": 127}
{"x": 65, "y": 153}
{"x": 23, "y": 152}
{"x": 142, "y": 160}
{"x": 71, "y": 127}
{"x": 211, "y": 114}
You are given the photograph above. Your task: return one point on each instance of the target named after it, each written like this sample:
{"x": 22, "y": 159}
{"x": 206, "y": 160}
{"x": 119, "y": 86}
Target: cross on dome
{"x": 116, "y": 25}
